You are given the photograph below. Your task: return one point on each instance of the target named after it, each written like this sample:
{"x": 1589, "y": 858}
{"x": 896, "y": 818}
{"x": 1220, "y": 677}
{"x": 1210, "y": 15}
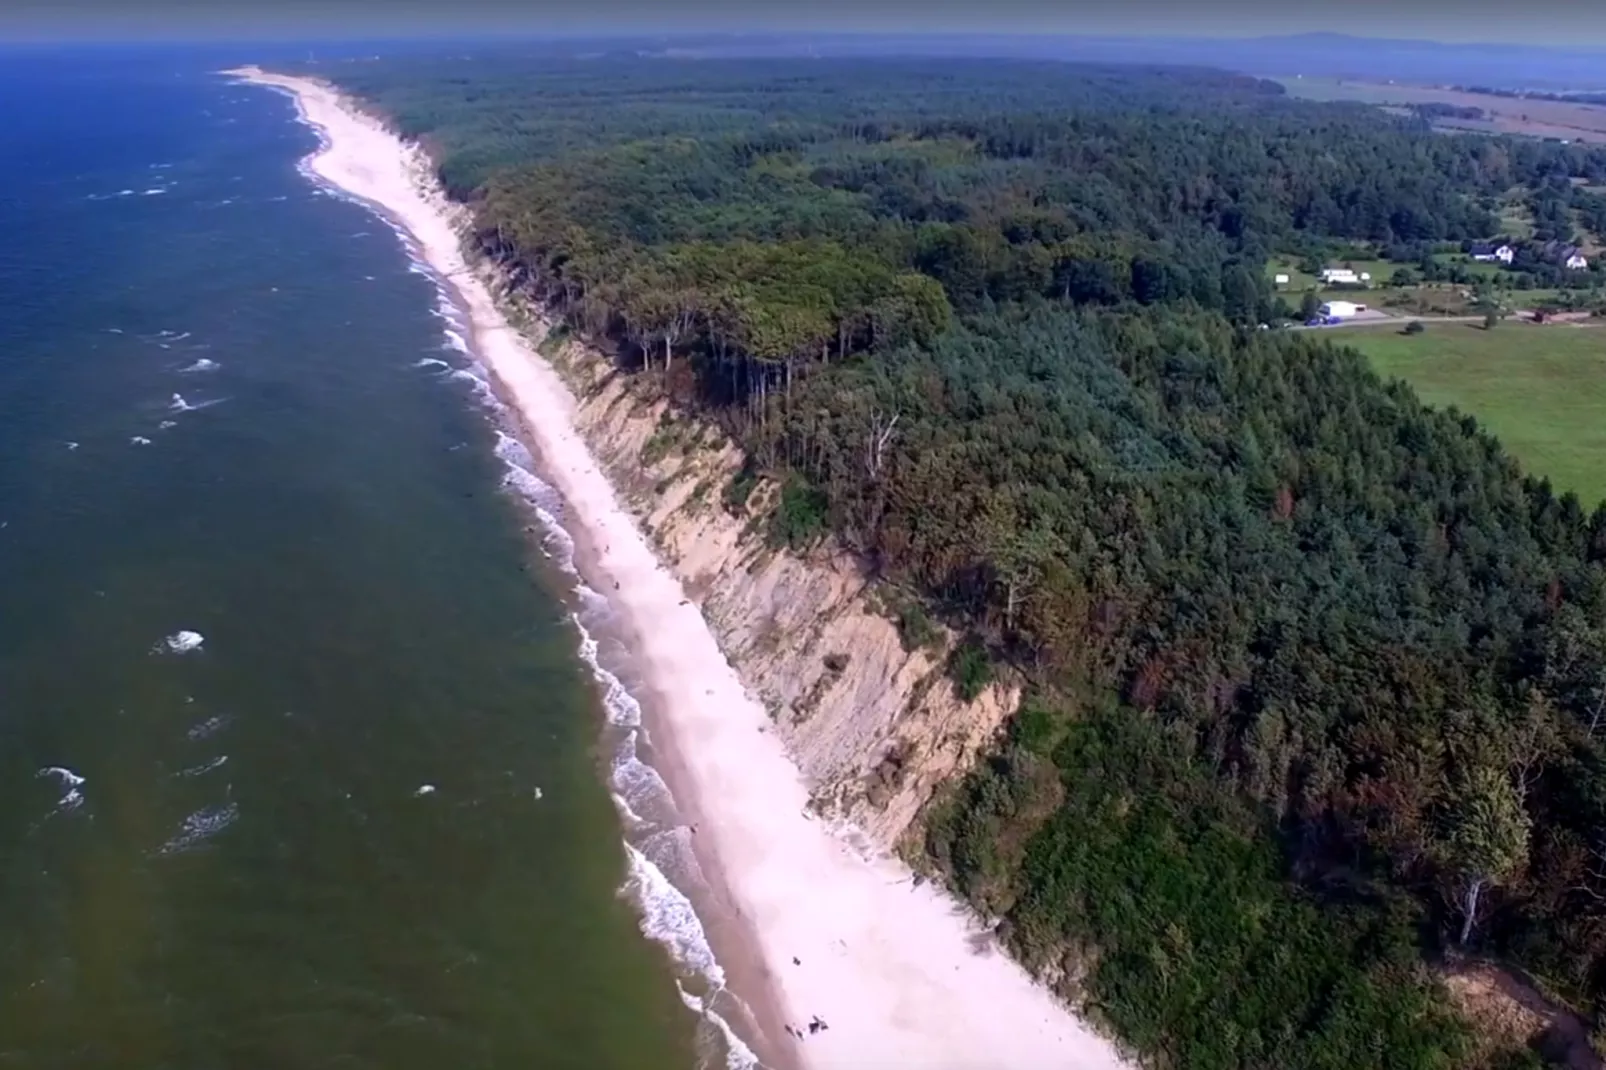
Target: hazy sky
{"x": 1561, "y": 22}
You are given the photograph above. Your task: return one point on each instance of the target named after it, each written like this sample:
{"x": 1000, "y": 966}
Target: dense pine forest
{"x": 1316, "y": 676}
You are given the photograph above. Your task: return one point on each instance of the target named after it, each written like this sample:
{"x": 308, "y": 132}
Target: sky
{"x": 1575, "y": 23}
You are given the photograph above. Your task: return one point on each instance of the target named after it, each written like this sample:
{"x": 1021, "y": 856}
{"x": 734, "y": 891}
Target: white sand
{"x": 891, "y": 968}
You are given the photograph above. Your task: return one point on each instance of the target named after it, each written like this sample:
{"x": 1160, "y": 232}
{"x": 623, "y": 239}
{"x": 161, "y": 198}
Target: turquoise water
{"x": 361, "y": 824}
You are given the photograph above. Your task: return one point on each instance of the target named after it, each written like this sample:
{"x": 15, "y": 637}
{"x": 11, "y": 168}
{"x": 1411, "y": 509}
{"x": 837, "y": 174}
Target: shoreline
{"x": 896, "y": 970}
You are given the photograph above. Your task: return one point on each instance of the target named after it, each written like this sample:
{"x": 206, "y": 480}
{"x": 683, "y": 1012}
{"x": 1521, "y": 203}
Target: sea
{"x": 307, "y": 756}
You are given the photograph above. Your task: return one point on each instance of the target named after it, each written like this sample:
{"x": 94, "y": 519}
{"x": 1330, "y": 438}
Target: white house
{"x": 1489, "y": 253}
{"x": 1340, "y": 310}
{"x": 1280, "y": 280}
{"x": 1568, "y": 256}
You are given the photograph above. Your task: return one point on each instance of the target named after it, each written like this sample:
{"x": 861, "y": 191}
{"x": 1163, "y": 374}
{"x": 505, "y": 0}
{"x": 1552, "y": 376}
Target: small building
{"x": 1340, "y": 310}
{"x": 1490, "y": 252}
{"x": 1341, "y": 276}
{"x": 1280, "y": 280}
{"x": 1566, "y": 255}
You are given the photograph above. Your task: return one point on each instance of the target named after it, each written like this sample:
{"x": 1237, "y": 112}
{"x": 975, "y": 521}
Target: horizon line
{"x": 512, "y": 35}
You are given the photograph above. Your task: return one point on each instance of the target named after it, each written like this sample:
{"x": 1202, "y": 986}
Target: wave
{"x": 483, "y": 393}
{"x": 207, "y": 728}
{"x": 179, "y": 404}
{"x": 431, "y": 362}
{"x": 667, "y": 917}
{"x": 71, "y": 798}
{"x": 139, "y": 440}
{"x": 202, "y": 365}
{"x": 199, "y": 827}
{"x": 203, "y": 768}
{"x": 181, "y": 642}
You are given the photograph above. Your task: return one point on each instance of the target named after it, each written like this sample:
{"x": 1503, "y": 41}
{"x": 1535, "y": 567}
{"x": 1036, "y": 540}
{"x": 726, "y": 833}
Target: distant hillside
{"x": 1318, "y": 54}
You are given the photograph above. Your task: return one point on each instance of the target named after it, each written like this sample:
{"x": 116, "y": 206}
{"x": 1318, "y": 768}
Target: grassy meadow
{"x": 1540, "y": 389}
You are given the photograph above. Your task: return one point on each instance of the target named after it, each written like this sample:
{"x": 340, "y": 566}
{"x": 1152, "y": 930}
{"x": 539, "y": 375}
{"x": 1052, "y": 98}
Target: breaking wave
{"x": 181, "y": 642}
{"x": 199, "y": 827}
{"x": 71, "y": 798}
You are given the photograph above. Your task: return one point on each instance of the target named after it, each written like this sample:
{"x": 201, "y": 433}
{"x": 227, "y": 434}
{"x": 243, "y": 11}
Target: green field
{"x": 1541, "y": 390}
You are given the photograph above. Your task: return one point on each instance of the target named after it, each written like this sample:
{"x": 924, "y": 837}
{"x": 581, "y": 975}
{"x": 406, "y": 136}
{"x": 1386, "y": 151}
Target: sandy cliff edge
{"x": 895, "y": 969}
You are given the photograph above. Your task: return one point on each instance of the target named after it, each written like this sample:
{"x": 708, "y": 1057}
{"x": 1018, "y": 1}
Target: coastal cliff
{"x": 874, "y": 724}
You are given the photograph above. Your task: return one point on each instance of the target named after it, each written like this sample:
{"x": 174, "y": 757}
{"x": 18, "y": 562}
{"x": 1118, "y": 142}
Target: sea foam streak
{"x": 204, "y": 768}
{"x": 199, "y": 827}
{"x": 893, "y": 967}
{"x": 71, "y": 797}
{"x": 207, "y": 728}
{"x": 182, "y": 642}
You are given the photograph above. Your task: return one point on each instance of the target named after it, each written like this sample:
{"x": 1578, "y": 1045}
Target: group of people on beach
{"x": 816, "y": 1025}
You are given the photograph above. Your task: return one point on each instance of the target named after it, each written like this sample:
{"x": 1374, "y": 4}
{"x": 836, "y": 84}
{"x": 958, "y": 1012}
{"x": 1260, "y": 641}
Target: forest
{"x": 1316, "y": 675}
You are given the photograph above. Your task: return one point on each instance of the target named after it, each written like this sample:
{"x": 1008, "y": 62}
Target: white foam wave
{"x": 71, "y": 797}
{"x": 139, "y": 440}
{"x": 153, "y": 192}
{"x": 199, "y": 827}
{"x": 667, "y": 918}
{"x": 181, "y": 642}
{"x": 165, "y": 424}
{"x": 622, "y": 709}
{"x": 456, "y": 341}
{"x": 431, "y": 362}
{"x": 179, "y": 404}
{"x": 542, "y": 498}
{"x": 209, "y": 727}
{"x": 204, "y": 768}
{"x": 738, "y": 1056}
{"x": 482, "y": 389}
{"x": 202, "y": 365}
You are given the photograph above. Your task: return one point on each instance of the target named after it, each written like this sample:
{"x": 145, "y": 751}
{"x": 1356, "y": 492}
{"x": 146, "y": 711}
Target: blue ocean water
{"x": 297, "y": 764}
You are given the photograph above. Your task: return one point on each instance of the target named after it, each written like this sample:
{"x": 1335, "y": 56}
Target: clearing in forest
{"x": 1540, "y": 389}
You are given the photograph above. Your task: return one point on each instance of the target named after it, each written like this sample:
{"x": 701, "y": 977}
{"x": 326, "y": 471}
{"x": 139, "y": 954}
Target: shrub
{"x": 971, "y": 670}
{"x": 800, "y": 518}
{"x": 915, "y": 628}
{"x": 740, "y": 488}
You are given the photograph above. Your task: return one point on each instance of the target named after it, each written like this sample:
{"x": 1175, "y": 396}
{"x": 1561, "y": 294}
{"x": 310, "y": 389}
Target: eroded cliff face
{"x": 876, "y": 729}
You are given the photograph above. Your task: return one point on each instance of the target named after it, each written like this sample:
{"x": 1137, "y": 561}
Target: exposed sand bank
{"x": 893, "y": 969}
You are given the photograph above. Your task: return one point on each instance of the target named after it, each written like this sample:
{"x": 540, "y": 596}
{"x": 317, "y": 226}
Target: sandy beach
{"x": 893, "y": 969}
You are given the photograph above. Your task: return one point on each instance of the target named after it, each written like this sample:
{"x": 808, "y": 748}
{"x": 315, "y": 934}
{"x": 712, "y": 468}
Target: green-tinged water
{"x": 360, "y": 826}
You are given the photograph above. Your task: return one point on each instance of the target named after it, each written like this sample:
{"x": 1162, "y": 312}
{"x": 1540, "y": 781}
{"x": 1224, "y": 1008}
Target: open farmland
{"x": 1540, "y": 389}
{"x": 1502, "y": 115}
